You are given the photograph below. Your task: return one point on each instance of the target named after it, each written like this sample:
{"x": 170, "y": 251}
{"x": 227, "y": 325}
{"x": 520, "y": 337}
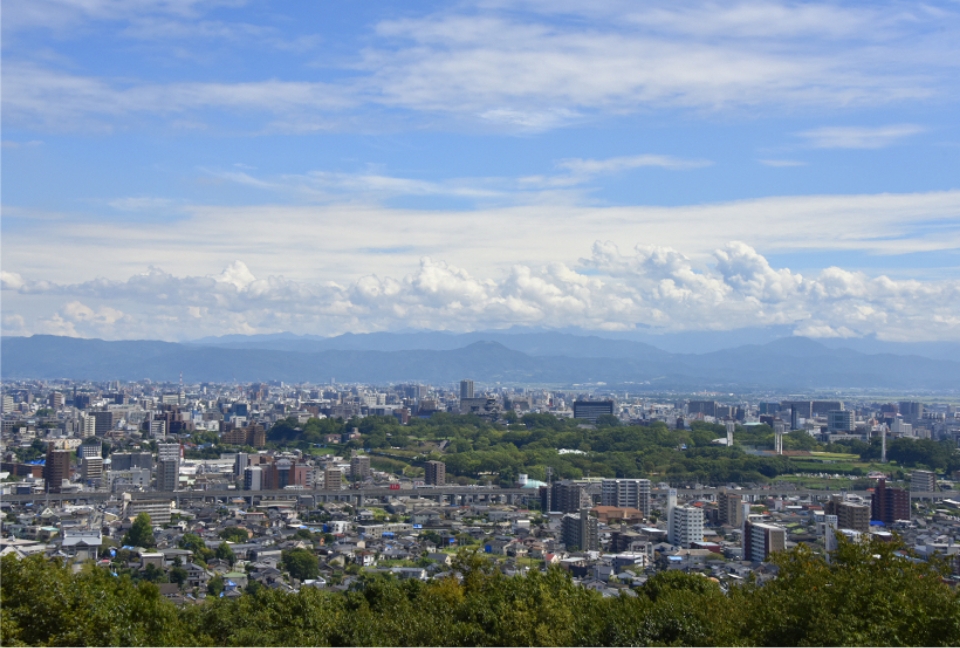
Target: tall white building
{"x": 686, "y": 526}
{"x": 253, "y": 478}
{"x": 632, "y": 493}
{"x": 88, "y": 426}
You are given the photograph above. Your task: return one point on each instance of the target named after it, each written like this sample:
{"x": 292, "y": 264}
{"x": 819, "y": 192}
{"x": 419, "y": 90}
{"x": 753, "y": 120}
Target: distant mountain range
{"x": 574, "y": 342}
{"x": 547, "y": 357}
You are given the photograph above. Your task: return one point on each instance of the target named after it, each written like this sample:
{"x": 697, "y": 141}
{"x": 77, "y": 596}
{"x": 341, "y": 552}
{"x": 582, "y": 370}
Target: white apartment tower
{"x": 632, "y": 493}
{"x": 686, "y": 526}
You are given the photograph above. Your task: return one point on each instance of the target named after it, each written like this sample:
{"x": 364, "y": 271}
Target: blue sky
{"x": 174, "y": 168}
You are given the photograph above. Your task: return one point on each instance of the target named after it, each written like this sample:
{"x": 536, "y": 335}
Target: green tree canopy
{"x": 141, "y": 533}
{"x": 301, "y": 563}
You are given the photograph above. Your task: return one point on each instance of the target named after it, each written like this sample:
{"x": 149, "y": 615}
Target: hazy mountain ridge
{"x": 635, "y": 344}
{"x": 782, "y": 364}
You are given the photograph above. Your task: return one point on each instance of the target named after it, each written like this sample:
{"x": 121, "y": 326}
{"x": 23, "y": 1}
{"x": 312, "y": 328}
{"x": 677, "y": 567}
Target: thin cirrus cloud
{"x": 653, "y": 286}
{"x": 782, "y": 163}
{"x": 859, "y": 137}
{"x": 516, "y": 69}
{"x": 574, "y": 172}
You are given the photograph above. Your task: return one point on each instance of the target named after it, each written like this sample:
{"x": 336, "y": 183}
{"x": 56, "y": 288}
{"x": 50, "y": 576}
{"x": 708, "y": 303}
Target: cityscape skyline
{"x": 179, "y": 169}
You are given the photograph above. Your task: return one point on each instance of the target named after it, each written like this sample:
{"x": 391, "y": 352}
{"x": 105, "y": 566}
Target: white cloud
{"x": 514, "y": 68}
{"x": 613, "y": 165}
{"x": 39, "y": 97}
{"x": 657, "y": 287}
{"x": 856, "y": 137}
{"x": 342, "y": 241}
{"x": 782, "y": 163}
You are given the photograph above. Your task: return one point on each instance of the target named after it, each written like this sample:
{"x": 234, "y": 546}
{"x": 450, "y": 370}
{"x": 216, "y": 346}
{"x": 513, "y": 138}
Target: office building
{"x": 840, "y": 421}
{"x": 103, "y": 422}
{"x": 922, "y": 481}
{"x": 823, "y": 408}
{"x": 566, "y": 496}
{"x": 56, "y": 470}
{"x": 626, "y": 493}
{"x": 360, "y": 468}
{"x": 730, "y": 509}
{"x": 466, "y": 389}
{"x": 803, "y": 409}
{"x": 253, "y": 478}
{"x": 332, "y": 479}
{"x": 686, "y": 526}
{"x": 888, "y": 505}
{"x": 131, "y": 460}
{"x": 435, "y": 473}
{"x": 760, "y": 540}
{"x": 911, "y": 411}
{"x": 702, "y": 407}
{"x": 592, "y": 410}
{"x": 580, "y": 531}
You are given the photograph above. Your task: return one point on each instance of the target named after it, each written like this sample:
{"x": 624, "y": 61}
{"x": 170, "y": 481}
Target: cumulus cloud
{"x": 648, "y": 286}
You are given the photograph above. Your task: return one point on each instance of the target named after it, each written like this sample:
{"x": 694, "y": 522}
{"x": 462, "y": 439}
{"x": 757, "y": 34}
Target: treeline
{"x": 869, "y": 595}
{"x": 478, "y": 447}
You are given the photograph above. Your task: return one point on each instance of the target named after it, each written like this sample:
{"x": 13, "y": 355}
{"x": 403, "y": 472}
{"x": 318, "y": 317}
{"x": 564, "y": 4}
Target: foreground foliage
{"x": 869, "y": 595}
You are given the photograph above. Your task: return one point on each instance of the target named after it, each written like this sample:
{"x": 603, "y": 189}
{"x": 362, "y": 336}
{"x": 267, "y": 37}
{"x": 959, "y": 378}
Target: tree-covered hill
{"x": 869, "y": 595}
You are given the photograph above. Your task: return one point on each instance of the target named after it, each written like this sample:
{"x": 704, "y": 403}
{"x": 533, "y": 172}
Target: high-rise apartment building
{"x": 922, "y": 481}
{"x": 633, "y": 493}
{"x": 88, "y": 426}
{"x": 168, "y": 466}
{"x": 760, "y": 540}
{"x": 332, "y": 479}
{"x": 466, "y": 389}
{"x": 284, "y": 473}
{"x": 889, "y": 504}
{"x": 90, "y": 449}
{"x": 581, "y": 531}
{"x": 566, "y": 496}
{"x": 56, "y": 469}
{"x": 851, "y": 516}
{"x": 435, "y": 473}
{"x": 91, "y": 470}
{"x": 730, "y": 509}
{"x": 360, "y": 468}
{"x": 168, "y": 474}
{"x": 686, "y": 525}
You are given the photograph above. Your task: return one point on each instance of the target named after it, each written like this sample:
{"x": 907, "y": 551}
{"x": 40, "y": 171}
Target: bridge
{"x": 450, "y": 494}
{"x": 454, "y": 495}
